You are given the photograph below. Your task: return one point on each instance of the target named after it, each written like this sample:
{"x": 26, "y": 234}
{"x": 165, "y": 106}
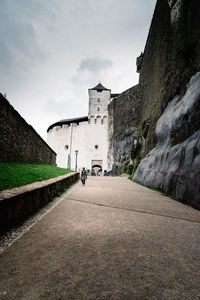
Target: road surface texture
{"x": 110, "y": 239}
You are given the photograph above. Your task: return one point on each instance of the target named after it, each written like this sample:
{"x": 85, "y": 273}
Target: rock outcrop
{"x": 174, "y": 164}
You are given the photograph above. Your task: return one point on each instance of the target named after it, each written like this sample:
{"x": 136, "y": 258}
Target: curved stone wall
{"x": 83, "y": 137}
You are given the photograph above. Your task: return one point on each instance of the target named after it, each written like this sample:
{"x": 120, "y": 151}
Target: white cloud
{"x": 94, "y": 64}
{"x": 51, "y": 52}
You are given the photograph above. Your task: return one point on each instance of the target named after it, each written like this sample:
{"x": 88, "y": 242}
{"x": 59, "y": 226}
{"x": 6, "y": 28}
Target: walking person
{"x": 83, "y": 176}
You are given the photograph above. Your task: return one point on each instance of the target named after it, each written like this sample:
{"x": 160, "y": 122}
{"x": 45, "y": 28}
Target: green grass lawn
{"x": 18, "y": 174}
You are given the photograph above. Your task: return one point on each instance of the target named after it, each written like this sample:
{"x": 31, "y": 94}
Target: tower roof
{"x": 100, "y": 87}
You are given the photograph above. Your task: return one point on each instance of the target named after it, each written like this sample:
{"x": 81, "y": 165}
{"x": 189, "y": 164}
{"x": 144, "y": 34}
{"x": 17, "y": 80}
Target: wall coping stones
{"x": 32, "y": 186}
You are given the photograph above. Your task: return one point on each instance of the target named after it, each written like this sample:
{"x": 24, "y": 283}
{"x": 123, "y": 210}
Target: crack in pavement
{"x": 133, "y": 210}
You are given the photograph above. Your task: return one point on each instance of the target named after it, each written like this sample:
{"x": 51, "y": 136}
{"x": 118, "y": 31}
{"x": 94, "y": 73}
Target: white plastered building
{"x": 83, "y": 142}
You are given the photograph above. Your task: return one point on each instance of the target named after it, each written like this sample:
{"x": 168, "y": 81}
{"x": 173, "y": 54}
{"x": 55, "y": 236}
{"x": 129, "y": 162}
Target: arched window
{"x": 91, "y": 119}
{"x": 98, "y": 108}
{"x": 98, "y": 120}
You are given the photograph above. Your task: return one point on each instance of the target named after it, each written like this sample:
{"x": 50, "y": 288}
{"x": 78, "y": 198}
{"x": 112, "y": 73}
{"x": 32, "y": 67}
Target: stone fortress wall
{"x": 124, "y": 112}
{"x": 19, "y": 141}
{"x": 169, "y": 81}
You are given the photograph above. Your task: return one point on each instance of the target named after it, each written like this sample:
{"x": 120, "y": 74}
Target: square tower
{"x": 99, "y": 98}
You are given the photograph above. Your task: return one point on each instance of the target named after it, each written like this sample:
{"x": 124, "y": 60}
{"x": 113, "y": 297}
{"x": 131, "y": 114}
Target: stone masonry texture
{"x": 171, "y": 58}
{"x": 19, "y": 141}
{"x": 124, "y": 115}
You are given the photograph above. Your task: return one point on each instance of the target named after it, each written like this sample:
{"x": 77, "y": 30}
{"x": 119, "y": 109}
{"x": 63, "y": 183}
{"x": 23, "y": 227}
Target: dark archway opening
{"x": 96, "y": 166}
{"x": 96, "y": 170}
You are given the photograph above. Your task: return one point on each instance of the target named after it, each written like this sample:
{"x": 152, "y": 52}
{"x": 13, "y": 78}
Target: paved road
{"x": 112, "y": 239}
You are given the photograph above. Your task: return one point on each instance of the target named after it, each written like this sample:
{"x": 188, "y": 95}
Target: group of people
{"x": 96, "y": 173}
{"x": 93, "y": 173}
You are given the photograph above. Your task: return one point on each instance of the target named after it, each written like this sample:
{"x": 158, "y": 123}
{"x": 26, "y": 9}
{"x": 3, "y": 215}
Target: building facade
{"x": 83, "y": 142}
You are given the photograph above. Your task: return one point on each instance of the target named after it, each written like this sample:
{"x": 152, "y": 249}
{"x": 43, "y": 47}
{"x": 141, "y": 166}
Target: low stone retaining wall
{"x": 18, "y": 203}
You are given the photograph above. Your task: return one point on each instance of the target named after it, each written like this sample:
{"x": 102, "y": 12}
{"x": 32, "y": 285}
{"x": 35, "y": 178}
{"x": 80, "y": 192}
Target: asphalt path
{"x": 110, "y": 239}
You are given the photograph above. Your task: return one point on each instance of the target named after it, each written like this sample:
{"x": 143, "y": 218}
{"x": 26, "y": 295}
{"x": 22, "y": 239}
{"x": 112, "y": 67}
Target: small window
{"x": 96, "y": 146}
{"x": 98, "y": 100}
{"x": 98, "y": 108}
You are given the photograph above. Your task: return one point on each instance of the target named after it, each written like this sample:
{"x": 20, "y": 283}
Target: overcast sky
{"x": 52, "y": 51}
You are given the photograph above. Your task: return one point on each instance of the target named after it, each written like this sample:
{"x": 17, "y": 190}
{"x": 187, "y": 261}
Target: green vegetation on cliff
{"x": 18, "y": 174}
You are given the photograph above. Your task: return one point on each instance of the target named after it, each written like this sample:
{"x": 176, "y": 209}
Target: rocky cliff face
{"x": 167, "y": 123}
{"x": 174, "y": 164}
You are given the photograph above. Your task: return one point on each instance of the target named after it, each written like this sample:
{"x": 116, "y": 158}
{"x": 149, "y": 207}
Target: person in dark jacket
{"x": 83, "y": 176}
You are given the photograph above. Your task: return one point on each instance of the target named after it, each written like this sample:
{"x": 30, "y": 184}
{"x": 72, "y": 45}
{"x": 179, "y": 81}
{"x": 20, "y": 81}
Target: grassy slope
{"x": 18, "y": 174}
